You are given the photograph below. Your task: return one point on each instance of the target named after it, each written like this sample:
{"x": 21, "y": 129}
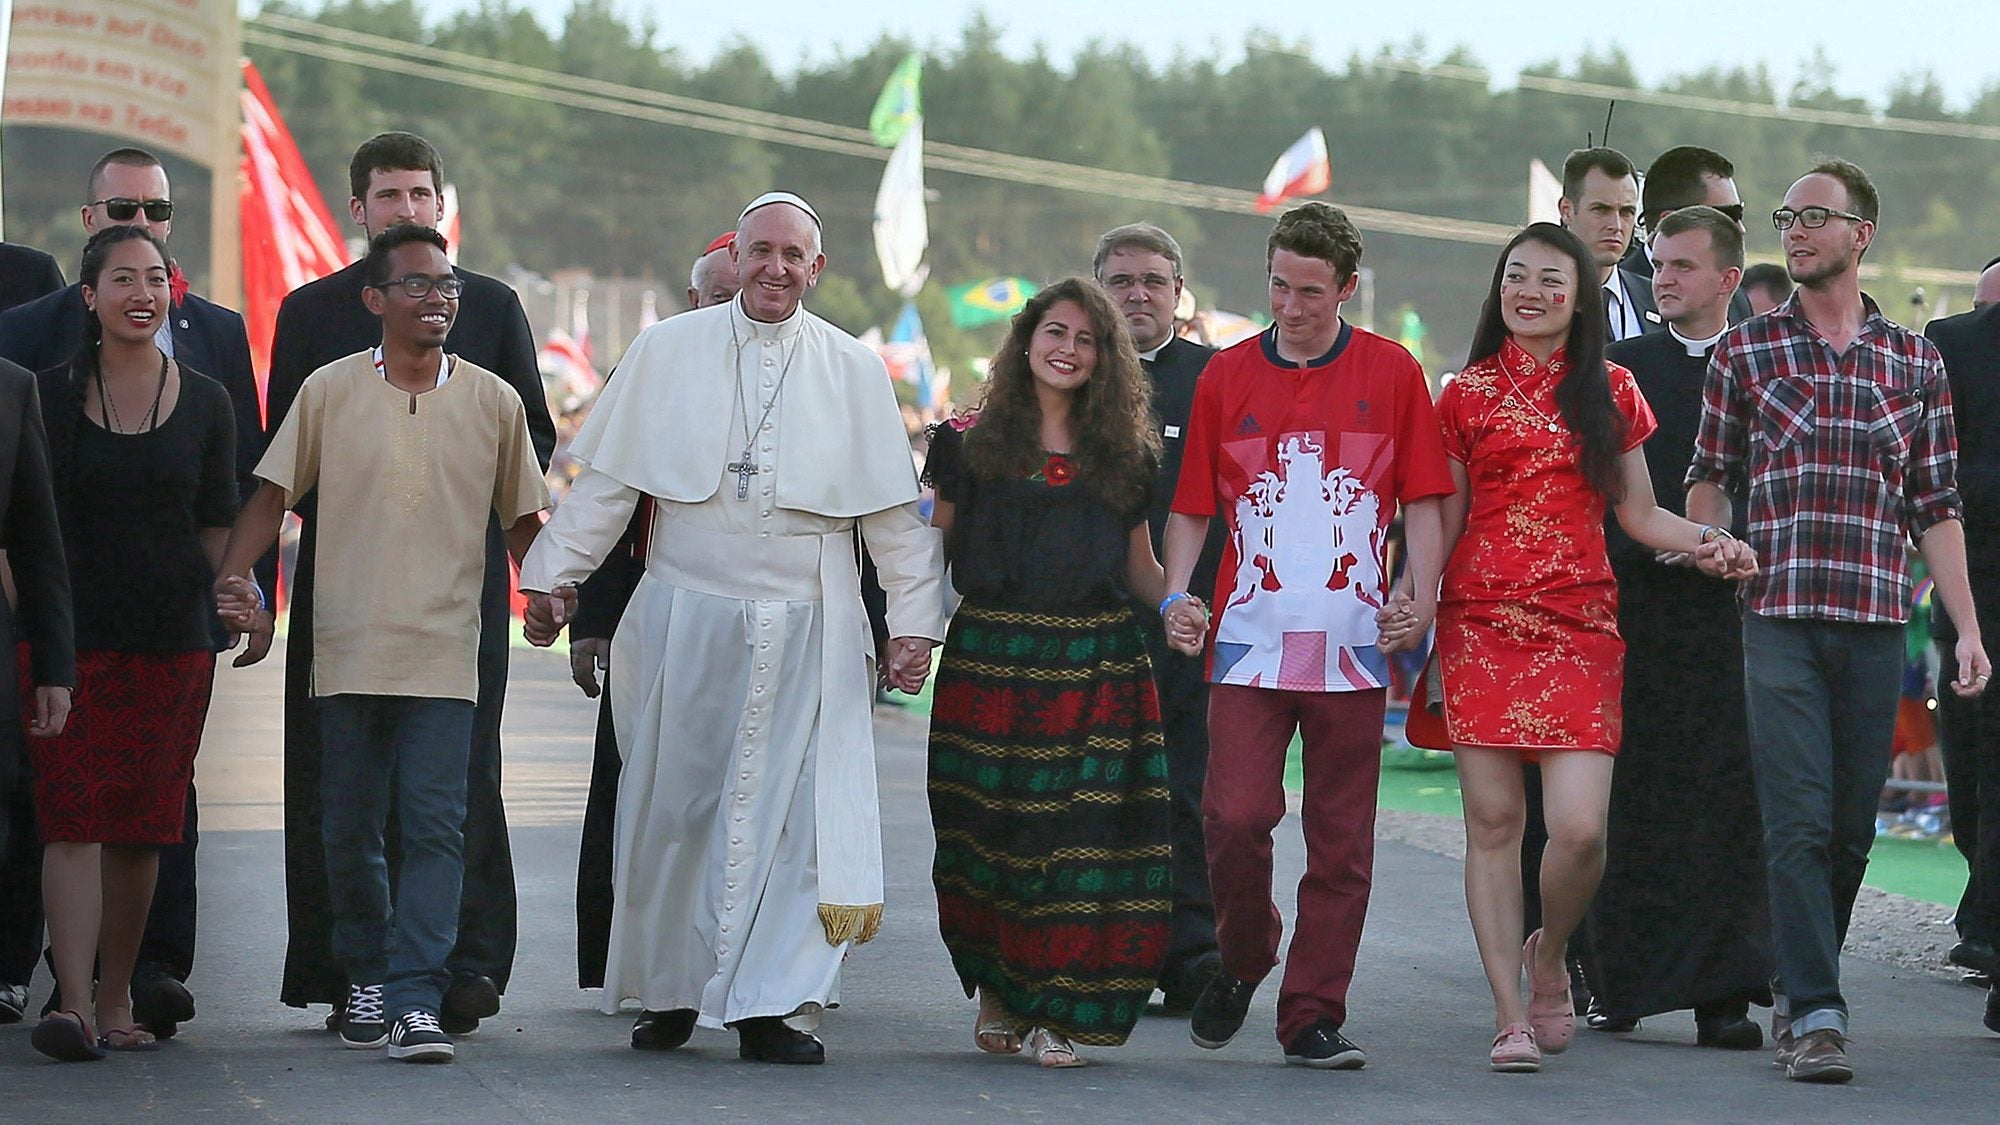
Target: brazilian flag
{"x": 983, "y": 302}
{"x": 901, "y": 103}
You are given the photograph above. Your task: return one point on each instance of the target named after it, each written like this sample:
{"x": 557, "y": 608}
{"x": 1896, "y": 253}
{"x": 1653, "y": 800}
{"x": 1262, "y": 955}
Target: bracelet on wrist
{"x": 1710, "y": 533}
{"x": 1167, "y": 602}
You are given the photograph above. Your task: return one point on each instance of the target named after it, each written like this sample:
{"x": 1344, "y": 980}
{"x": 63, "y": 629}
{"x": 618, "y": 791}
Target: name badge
{"x": 1173, "y": 431}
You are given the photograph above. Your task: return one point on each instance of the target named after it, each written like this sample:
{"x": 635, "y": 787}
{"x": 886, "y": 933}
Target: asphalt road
{"x": 901, "y": 1048}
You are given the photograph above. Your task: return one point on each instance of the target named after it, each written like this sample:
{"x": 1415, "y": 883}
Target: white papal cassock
{"x": 748, "y": 855}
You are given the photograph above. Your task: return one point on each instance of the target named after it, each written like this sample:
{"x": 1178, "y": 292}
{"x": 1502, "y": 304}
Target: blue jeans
{"x": 1822, "y": 703}
{"x": 413, "y": 750}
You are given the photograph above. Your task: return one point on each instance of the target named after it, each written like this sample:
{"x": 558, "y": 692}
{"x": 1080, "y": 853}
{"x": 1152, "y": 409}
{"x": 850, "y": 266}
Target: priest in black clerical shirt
{"x": 1681, "y": 919}
{"x": 1141, "y": 266}
{"x": 398, "y": 178}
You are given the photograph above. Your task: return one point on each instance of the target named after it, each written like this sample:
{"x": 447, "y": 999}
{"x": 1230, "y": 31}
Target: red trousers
{"x": 1249, "y": 732}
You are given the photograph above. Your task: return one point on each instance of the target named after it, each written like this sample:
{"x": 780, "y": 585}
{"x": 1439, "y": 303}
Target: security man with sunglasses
{"x": 128, "y": 187}
{"x": 1687, "y": 176}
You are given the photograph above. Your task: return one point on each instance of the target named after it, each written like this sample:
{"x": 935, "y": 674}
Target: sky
{"x": 1951, "y": 38}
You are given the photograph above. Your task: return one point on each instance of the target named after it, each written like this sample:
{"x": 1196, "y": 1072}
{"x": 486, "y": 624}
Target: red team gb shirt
{"x": 1306, "y": 465}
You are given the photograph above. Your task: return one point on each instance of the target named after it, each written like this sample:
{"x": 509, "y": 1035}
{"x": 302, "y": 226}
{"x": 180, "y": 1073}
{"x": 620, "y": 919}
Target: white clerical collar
{"x": 1697, "y": 347}
{"x": 1150, "y": 356}
{"x": 758, "y": 330}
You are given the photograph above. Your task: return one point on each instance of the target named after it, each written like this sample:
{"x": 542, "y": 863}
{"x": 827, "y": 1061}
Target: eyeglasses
{"x": 1734, "y": 211}
{"x": 124, "y": 210}
{"x": 419, "y": 286}
{"x": 1811, "y": 218}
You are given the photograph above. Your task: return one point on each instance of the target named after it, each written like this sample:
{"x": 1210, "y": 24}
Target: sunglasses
{"x": 123, "y": 210}
{"x": 418, "y": 286}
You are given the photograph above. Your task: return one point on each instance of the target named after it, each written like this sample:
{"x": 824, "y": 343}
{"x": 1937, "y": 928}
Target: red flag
{"x": 1302, "y": 169}
{"x": 289, "y": 237}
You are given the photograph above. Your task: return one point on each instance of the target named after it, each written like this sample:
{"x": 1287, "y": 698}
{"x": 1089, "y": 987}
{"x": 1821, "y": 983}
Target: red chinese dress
{"x": 1527, "y": 625}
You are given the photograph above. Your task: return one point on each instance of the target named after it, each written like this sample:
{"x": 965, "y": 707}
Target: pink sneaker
{"x": 1514, "y": 1050}
{"x": 1550, "y": 1009}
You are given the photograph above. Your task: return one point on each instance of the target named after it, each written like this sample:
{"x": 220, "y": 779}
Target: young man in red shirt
{"x": 1304, "y": 440}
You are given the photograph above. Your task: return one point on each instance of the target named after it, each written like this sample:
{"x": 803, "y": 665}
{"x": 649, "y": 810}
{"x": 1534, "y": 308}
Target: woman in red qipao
{"x": 1543, "y": 435}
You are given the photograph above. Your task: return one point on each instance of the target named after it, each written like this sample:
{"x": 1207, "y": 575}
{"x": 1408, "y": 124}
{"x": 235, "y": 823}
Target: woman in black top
{"x": 144, "y": 454}
{"x": 1048, "y": 771}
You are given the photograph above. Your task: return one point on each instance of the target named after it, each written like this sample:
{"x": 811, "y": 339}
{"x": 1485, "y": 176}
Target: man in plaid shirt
{"x": 1840, "y": 424}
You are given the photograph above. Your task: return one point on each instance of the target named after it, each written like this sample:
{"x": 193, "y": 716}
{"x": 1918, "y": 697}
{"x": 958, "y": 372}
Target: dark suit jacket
{"x": 324, "y": 320}
{"x": 207, "y": 338}
{"x": 1172, "y": 374}
{"x": 25, "y": 274}
{"x": 31, "y": 534}
{"x": 1640, "y": 290}
{"x": 1970, "y": 344}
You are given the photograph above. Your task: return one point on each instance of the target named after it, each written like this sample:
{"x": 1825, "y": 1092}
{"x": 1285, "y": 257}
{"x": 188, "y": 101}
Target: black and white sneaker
{"x": 1323, "y": 1046}
{"x": 13, "y": 1002}
{"x": 418, "y": 1038}
{"x": 1219, "y": 1011}
{"x": 363, "y": 1027}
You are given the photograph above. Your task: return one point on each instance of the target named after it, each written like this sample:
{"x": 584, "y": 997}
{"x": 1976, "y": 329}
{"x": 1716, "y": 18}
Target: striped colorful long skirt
{"x": 1048, "y": 792}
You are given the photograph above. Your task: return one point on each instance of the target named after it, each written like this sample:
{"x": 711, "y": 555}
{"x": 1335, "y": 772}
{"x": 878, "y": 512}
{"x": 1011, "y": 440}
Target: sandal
{"x": 997, "y": 1037}
{"x": 132, "y": 1038}
{"x": 65, "y": 1037}
{"x": 1515, "y": 1050}
{"x": 1052, "y": 1050}
{"x": 1551, "y": 1012}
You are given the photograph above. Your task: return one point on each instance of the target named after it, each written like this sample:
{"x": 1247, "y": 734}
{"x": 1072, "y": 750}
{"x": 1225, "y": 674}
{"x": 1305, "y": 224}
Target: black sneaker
{"x": 1218, "y": 1014}
{"x": 1181, "y": 987}
{"x": 363, "y": 1027}
{"x": 470, "y": 998}
{"x": 160, "y": 1001}
{"x": 1979, "y": 956}
{"x": 1993, "y": 1010}
{"x": 417, "y": 1038}
{"x": 13, "y": 1003}
{"x": 1324, "y": 1047}
{"x": 1597, "y": 1019}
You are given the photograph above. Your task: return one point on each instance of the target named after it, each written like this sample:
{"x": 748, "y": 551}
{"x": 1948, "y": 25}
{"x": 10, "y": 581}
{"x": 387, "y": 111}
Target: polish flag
{"x": 1302, "y": 170}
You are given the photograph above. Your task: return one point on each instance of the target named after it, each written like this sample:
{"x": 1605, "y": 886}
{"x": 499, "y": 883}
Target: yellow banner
{"x": 160, "y": 74}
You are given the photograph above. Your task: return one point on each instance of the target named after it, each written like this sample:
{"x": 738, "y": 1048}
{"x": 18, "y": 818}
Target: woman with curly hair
{"x": 1543, "y": 438}
{"x": 1048, "y": 770}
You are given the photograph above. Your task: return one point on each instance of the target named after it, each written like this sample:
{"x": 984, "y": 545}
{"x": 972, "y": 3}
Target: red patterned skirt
{"x": 120, "y": 770}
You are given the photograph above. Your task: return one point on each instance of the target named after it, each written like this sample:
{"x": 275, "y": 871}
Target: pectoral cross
{"x": 744, "y": 470}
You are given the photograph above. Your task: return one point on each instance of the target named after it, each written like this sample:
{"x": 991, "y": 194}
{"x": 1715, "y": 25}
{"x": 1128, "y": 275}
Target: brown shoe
{"x": 1820, "y": 1056}
{"x": 1781, "y": 1040}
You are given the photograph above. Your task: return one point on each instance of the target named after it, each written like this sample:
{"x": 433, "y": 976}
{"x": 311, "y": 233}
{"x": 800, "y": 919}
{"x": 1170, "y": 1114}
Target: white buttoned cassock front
{"x": 741, "y": 669}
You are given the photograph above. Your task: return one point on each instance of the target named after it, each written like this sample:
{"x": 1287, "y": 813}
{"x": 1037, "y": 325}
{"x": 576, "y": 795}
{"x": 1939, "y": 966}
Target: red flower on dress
{"x": 1058, "y": 469}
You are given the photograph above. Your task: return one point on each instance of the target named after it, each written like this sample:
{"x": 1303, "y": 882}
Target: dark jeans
{"x": 411, "y": 751}
{"x": 1971, "y": 730}
{"x": 1822, "y": 706}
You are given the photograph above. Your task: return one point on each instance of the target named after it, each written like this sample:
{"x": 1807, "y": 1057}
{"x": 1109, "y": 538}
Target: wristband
{"x": 261, "y": 603}
{"x": 1170, "y": 599}
{"x": 1710, "y": 533}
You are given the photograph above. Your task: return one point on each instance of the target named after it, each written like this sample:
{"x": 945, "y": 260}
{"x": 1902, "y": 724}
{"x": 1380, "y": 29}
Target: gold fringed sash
{"x": 857, "y": 924}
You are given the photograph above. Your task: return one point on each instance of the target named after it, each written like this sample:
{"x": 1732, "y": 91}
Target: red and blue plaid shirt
{"x": 1848, "y": 459}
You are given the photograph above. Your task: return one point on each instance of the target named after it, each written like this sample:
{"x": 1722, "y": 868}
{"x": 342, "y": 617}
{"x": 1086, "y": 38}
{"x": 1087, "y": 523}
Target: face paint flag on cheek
{"x": 1558, "y": 298}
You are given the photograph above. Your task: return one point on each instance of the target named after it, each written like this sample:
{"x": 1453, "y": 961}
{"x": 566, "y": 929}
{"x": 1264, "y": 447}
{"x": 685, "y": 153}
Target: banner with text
{"x": 151, "y": 72}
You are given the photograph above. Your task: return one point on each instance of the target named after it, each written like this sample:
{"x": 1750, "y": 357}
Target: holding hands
{"x": 1402, "y": 622}
{"x": 547, "y": 614}
{"x": 1186, "y": 620}
{"x": 241, "y": 607}
{"x": 909, "y": 663}
{"x": 1726, "y": 557}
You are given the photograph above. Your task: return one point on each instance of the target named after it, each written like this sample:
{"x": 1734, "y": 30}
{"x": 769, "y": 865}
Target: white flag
{"x": 1544, "y": 194}
{"x": 902, "y": 233}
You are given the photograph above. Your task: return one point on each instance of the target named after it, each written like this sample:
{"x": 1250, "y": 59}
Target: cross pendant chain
{"x": 744, "y": 470}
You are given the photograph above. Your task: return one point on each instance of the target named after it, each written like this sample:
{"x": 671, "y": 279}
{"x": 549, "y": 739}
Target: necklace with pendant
{"x": 744, "y": 467}
{"x": 1551, "y": 423}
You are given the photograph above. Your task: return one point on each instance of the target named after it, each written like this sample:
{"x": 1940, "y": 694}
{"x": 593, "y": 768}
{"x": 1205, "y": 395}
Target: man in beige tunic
{"x": 748, "y": 853}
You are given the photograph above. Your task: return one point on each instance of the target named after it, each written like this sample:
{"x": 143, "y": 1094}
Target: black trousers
{"x": 1534, "y": 841}
{"x": 1183, "y": 689}
{"x": 593, "y": 859}
{"x": 1971, "y": 735}
{"x": 488, "y": 911}
{"x": 170, "y": 926}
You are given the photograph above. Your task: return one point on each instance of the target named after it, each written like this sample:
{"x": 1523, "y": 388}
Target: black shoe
{"x": 364, "y": 1026}
{"x": 13, "y": 1003}
{"x": 1323, "y": 1046}
{"x": 160, "y": 1002}
{"x": 1580, "y": 999}
{"x": 662, "y": 1031}
{"x": 1218, "y": 1013}
{"x": 1731, "y": 1030}
{"x": 1979, "y": 956}
{"x": 469, "y": 998}
{"x": 417, "y": 1038}
{"x": 1181, "y": 988}
{"x": 767, "y": 1039}
{"x": 1597, "y": 1019}
{"x": 1993, "y": 1010}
